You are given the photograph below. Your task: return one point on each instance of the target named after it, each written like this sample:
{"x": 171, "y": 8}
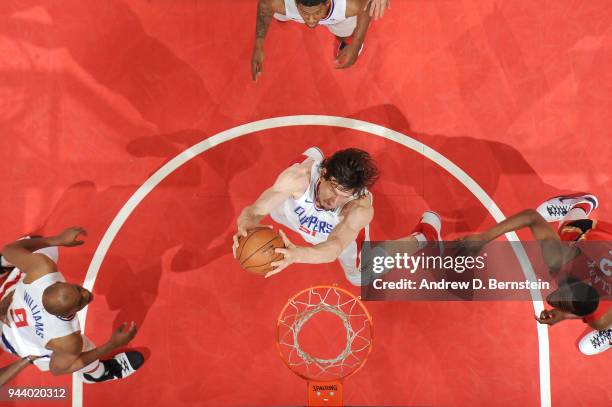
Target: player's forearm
{"x": 251, "y": 215}
{"x": 10, "y": 371}
{"x": 363, "y": 23}
{"x": 264, "y": 17}
{"x": 31, "y": 245}
{"x": 83, "y": 360}
{"x": 325, "y": 252}
{"x": 527, "y": 218}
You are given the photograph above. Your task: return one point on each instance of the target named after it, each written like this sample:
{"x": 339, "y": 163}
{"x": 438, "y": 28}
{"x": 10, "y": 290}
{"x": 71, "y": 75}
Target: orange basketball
{"x": 255, "y": 251}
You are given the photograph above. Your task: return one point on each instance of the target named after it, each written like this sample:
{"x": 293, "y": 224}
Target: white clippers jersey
{"x": 337, "y": 12}
{"x": 302, "y": 215}
{"x": 30, "y": 325}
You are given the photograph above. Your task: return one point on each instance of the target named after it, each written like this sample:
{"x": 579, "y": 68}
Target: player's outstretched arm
{"x": 293, "y": 180}
{"x": 555, "y": 253}
{"x": 348, "y": 56}
{"x": 343, "y": 234}
{"x": 20, "y": 252}
{"x": 265, "y": 12}
{"x": 67, "y": 356}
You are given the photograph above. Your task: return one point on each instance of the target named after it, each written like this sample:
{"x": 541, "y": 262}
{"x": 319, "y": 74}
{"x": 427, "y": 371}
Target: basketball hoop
{"x": 324, "y": 373}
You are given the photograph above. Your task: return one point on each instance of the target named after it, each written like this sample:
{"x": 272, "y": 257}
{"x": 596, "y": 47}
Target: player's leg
{"x": 119, "y": 366}
{"x": 344, "y": 33}
{"x": 350, "y": 259}
{"x": 427, "y": 230}
{"x": 596, "y": 342}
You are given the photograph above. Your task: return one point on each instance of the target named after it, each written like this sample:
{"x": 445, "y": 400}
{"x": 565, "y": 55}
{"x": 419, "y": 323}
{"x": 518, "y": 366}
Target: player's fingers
{"x": 286, "y": 240}
{"x": 258, "y": 70}
{"x": 271, "y": 273}
{"x": 342, "y": 61}
{"x": 375, "y": 11}
{"x": 281, "y": 251}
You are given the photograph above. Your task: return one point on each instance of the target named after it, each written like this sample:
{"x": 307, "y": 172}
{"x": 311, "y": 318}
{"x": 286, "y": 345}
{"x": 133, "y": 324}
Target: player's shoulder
{"x": 72, "y": 343}
{"x": 361, "y": 209}
{"x": 354, "y": 7}
{"x": 296, "y": 176}
{"x": 40, "y": 267}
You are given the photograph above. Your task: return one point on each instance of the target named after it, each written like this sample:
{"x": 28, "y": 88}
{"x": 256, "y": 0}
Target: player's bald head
{"x": 64, "y": 299}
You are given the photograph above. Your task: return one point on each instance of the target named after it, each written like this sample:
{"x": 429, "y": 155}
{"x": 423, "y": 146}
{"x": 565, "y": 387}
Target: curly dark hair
{"x": 352, "y": 169}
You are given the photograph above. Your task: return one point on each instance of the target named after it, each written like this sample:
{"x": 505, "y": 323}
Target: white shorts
{"x": 350, "y": 258}
{"x": 342, "y": 29}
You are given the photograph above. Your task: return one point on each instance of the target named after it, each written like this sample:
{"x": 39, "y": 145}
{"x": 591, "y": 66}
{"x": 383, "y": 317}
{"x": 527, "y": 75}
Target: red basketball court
{"x": 95, "y": 97}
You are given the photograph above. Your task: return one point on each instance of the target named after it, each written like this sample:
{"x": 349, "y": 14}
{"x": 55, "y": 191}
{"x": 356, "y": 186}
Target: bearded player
{"x": 328, "y": 202}
{"x": 348, "y": 20}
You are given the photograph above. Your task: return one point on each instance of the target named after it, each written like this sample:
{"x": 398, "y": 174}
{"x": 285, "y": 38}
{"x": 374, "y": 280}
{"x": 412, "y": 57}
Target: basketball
{"x": 255, "y": 251}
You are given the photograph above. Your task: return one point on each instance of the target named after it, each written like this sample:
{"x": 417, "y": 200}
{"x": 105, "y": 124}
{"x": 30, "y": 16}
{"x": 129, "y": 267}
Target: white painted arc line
{"x": 318, "y": 120}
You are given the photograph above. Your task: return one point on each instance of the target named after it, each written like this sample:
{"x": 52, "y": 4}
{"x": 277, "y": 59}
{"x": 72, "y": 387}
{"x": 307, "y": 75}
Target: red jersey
{"x": 594, "y": 264}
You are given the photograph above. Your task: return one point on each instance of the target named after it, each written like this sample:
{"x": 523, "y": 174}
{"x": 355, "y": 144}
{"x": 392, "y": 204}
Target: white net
{"x": 355, "y": 319}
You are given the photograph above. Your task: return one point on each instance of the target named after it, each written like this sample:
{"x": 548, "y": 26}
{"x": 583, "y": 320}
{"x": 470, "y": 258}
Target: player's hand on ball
{"x": 348, "y": 56}
{"x": 290, "y": 253}
{"x": 242, "y": 232}
{"x": 69, "y": 237}
{"x": 122, "y": 336}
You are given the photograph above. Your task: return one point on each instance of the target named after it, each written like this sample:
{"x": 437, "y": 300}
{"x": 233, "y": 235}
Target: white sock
{"x": 421, "y": 239}
{"x": 98, "y": 372}
{"x": 575, "y": 214}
